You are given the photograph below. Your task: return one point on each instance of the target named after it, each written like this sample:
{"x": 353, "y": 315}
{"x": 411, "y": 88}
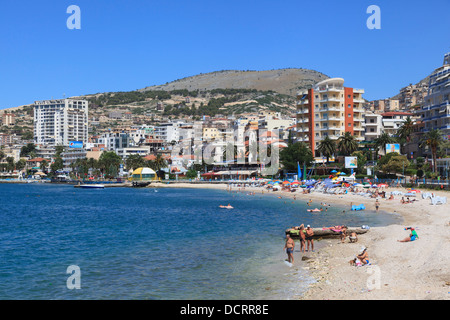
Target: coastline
{"x": 398, "y": 271}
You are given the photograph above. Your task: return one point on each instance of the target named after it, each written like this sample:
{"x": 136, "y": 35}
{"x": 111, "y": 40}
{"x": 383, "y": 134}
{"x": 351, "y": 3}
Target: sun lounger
{"x": 438, "y": 200}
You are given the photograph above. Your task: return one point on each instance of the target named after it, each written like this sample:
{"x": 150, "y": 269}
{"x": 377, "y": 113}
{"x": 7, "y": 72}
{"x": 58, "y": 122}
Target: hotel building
{"x": 329, "y": 109}
{"x": 56, "y": 122}
{"x": 435, "y": 114}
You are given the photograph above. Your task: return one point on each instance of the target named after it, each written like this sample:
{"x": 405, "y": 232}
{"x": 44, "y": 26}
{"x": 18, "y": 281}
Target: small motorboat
{"x": 91, "y": 186}
{"x": 226, "y": 207}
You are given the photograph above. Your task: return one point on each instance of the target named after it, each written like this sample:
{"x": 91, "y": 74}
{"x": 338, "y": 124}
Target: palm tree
{"x": 347, "y": 144}
{"x": 382, "y": 140}
{"x": 404, "y": 132}
{"x": 159, "y": 163}
{"x": 327, "y": 147}
{"x": 433, "y": 139}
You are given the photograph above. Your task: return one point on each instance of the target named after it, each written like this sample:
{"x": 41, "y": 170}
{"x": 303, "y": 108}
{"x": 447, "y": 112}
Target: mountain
{"x": 284, "y": 81}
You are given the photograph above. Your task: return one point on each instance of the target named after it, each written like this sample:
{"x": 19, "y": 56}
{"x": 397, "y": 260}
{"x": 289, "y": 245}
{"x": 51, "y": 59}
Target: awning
{"x": 236, "y": 172}
{"x": 209, "y": 174}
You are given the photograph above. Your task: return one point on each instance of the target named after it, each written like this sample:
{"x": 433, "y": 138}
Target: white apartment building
{"x": 435, "y": 114}
{"x": 373, "y": 126}
{"x": 392, "y": 121}
{"x": 169, "y": 131}
{"x": 57, "y": 122}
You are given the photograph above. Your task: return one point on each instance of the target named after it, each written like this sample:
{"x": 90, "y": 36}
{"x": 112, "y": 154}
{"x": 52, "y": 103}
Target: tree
{"x": 404, "y": 132}
{"x": 134, "y": 161}
{"x": 44, "y": 165}
{"x": 158, "y": 163}
{"x": 361, "y": 158}
{"x": 107, "y": 161}
{"x": 26, "y": 150}
{"x": 299, "y": 153}
{"x": 10, "y": 164}
{"x": 21, "y": 164}
{"x": 382, "y": 140}
{"x": 191, "y": 173}
{"x": 395, "y": 164}
{"x": 433, "y": 139}
{"x": 347, "y": 143}
{"x": 327, "y": 148}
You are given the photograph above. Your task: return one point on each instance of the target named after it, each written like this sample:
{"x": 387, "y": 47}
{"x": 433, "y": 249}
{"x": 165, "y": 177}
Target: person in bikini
{"x": 363, "y": 256}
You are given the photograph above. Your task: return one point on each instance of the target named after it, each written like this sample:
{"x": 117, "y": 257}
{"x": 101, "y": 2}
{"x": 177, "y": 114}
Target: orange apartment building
{"x": 329, "y": 109}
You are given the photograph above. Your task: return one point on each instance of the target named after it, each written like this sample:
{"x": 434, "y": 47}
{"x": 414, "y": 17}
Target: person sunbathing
{"x": 412, "y": 236}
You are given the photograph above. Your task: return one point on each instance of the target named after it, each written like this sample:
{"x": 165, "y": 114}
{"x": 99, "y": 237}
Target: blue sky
{"x": 128, "y": 45}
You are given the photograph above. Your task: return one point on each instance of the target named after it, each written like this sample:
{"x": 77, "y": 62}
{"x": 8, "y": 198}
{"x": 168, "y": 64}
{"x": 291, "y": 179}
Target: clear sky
{"x": 128, "y": 45}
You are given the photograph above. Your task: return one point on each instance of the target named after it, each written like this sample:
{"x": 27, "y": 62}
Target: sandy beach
{"x": 415, "y": 270}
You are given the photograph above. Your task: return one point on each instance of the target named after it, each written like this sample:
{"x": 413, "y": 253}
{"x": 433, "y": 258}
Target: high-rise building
{"x": 329, "y": 109}
{"x": 57, "y": 122}
{"x": 435, "y": 114}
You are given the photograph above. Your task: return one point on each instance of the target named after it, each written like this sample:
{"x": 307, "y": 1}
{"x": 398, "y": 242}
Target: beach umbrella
{"x": 342, "y": 174}
{"x": 286, "y": 182}
{"x": 333, "y": 171}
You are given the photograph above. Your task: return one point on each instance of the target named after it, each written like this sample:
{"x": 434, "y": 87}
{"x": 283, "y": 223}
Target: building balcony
{"x": 330, "y": 89}
{"x": 332, "y": 108}
{"x": 329, "y": 99}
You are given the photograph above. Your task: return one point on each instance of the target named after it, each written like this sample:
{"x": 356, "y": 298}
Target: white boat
{"x": 91, "y": 186}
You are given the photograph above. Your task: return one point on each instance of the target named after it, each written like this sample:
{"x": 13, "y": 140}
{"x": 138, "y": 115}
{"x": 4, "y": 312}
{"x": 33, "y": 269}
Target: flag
{"x": 299, "y": 172}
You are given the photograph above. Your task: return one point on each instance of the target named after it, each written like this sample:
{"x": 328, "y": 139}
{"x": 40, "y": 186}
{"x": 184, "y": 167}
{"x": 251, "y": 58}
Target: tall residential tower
{"x": 57, "y": 122}
{"x": 329, "y": 109}
{"x": 435, "y": 114}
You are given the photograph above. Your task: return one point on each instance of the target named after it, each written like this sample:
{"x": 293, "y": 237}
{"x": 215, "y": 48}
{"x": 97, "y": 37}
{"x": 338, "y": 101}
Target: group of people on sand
{"x": 306, "y": 241}
{"x": 403, "y": 201}
{"x": 342, "y": 230}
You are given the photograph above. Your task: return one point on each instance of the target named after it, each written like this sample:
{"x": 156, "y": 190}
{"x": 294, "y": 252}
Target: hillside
{"x": 283, "y": 81}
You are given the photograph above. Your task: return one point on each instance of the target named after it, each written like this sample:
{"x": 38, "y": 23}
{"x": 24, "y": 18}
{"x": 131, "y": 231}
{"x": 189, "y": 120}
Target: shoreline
{"x": 398, "y": 271}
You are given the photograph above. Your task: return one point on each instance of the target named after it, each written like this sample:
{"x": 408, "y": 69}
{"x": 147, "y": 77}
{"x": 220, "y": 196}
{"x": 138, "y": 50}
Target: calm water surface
{"x": 152, "y": 243}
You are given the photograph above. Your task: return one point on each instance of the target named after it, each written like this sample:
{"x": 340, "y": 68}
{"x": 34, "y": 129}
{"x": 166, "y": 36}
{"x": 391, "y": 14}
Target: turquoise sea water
{"x": 147, "y": 243}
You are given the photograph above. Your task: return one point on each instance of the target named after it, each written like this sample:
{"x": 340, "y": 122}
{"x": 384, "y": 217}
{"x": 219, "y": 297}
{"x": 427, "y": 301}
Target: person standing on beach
{"x": 377, "y": 205}
{"x": 309, "y": 238}
{"x": 289, "y": 247}
{"x": 302, "y": 236}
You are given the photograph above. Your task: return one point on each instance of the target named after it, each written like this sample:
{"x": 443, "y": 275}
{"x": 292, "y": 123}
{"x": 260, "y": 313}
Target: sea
{"x": 64, "y": 243}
